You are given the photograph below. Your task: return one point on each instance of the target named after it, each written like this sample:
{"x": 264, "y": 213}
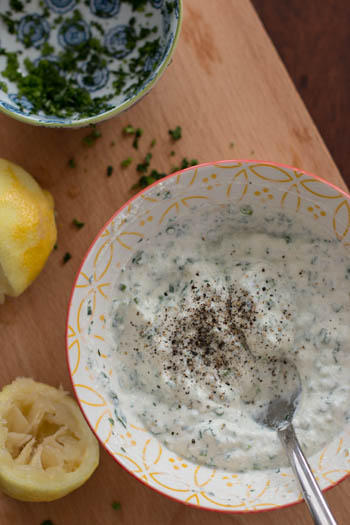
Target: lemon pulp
{"x": 46, "y": 447}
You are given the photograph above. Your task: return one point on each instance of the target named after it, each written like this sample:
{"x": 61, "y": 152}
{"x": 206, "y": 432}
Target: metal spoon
{"x": 278, "y": 415}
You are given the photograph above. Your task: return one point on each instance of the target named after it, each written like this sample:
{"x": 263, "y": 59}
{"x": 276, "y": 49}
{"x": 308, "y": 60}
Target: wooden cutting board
{"x": 229, "y": 91}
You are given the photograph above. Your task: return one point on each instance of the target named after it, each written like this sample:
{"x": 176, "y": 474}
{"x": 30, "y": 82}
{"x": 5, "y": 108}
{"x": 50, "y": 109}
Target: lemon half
{"x": 46, "y": 447}
{"x": 27, "y": 229}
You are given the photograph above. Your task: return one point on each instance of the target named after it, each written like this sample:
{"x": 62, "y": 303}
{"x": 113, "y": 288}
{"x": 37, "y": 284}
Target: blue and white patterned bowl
{"x": 39, "y": 22}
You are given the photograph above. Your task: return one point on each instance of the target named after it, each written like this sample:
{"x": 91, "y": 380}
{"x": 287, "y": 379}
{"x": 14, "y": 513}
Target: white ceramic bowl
{"x": 239, "y": 182}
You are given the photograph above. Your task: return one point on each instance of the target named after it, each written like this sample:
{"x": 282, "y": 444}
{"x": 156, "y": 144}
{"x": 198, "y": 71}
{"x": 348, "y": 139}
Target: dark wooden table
{"x": 313, "y": 39}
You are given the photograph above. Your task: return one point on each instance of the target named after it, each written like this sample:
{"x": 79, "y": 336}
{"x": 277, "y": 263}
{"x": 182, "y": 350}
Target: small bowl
{"x": 55, "y": 23}
{"x": 241, "y": 183}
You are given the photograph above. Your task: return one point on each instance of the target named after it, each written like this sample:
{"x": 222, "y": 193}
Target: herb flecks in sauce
{"x": 185, "y": 369}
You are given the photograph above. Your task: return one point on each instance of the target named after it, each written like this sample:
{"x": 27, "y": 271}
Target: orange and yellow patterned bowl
{"x": 88, "y": 341}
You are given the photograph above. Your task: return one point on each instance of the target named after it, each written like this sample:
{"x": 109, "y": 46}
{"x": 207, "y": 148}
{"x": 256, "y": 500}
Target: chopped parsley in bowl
{"x": 69, "y": 63}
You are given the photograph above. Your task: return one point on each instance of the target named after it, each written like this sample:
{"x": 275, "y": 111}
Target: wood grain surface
{"x": 226, "y": 84}
{"x": 313, "y": 40}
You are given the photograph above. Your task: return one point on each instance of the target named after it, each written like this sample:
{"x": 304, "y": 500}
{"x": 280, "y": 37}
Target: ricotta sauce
{"x": 205, "y": 315}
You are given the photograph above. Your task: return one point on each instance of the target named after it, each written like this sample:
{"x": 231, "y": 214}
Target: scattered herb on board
{"x": 72, "y": 163}
{"x": 126, "y": 162}
{"x": 185, "y": 163}
{"x": 55, "y": 246}
{"x": 47, "y": 522}
{"x": 138, "y": 135}
{"x": 129, "y": 130}
{"x": 146, "y": 180}
{"x": 232, "y": 144}
{"x": 67, "y": 256}
{"x": 89, "y": 140}
{"x": 111, "y": 420}
{"x": 143, "y": 166}
{"x": 172, "y": 153}
{"x": 109, "y": 171}
{"x": 78, "y": 224}
{"x": 153, "y": 143}
{"x": 176, "y": 133}
{"x": 122, "y": 287}
{"x": 116, "y": 505}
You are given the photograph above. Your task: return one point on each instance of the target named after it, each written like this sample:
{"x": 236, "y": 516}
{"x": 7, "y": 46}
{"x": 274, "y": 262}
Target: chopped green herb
{"x": 232, "y": 144}
{"x": 49, "y": 88}
{"x": 170, "y": 6}
{"x": 11, "y": 70}
{"x": 46, "y": 49}
{"x": 109, "y": 171}
{"x": 47, "y": 522}
{"x": 137, "y": 4}
{"x": 246, "y": 210}
{"x": 176, "y": 133}
{"x": 55, "y": 246}
{"x": 112, "y": 143}
{"x": 143, "y": 166}
{"x": 71, "y": 163}
{"x": 126, "y": 162}
{"x": 153, "y": 143}
{"x": 98, "y": 27}
{"x": 129, "y": 130}
{"x": 16, "y": 5}
{"x": 10, "y": 24}
{"x": 172, "y": 153}
{"x": 61, "y": 87}
{"x": 67, "y": 256}
{"x": 3, "y": 86}
{"x": 146, "y": 180}
{"x": 122, "y": 287}
{"x": 138, "y": 134}
{"x": 78, "y": 224}
{"x": 89, "y": 140}
{"x": 185, "y": 163}
{"x": 116, "y": 505}
{"x": 111, "y": 420}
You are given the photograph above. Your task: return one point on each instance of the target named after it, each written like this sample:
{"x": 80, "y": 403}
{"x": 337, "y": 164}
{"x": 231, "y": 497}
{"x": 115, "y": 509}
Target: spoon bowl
{"x": 280, "y": 409}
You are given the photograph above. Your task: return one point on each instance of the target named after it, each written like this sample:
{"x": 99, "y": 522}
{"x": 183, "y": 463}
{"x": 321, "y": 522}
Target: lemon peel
{"x": 27, "y": 229}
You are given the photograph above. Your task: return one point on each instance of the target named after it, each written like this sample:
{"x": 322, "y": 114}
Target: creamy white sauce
{"x": 178, "y": 313}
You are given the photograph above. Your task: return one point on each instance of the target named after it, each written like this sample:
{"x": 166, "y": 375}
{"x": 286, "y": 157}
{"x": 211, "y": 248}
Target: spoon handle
{"x": 312, "y": 494}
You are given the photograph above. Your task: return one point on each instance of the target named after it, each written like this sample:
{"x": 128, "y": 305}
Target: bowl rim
{"x": 112, "y": 112}
{"x": 101, "y": 230}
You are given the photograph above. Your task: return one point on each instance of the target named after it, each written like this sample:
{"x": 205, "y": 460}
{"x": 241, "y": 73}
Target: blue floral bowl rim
{"x": 27, "y": 119}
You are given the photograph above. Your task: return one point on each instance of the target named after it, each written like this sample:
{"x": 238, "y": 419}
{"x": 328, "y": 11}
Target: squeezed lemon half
{"x": 46, "y": 447}
{"x": 27, "y": 229}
